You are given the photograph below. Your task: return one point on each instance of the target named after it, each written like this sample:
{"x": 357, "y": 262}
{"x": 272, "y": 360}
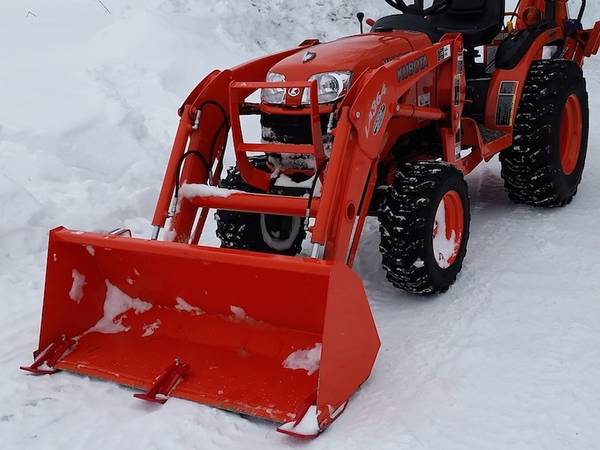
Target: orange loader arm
{"x": 350, "y": 170}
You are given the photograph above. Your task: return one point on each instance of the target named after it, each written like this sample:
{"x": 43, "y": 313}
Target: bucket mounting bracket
{"x": 165, "y": 383}
{"x": 45, "y": 360}
{"x": 310, "y": 422}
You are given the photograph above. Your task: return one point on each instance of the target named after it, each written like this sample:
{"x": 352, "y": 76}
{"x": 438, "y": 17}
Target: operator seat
{"x": 408, "y": 22}
{"x": 479, "y": 21}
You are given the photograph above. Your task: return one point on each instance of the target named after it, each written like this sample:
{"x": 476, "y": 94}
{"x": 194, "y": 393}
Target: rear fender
{"x": 593, "y": 42}
{"x": 586, "y": 43}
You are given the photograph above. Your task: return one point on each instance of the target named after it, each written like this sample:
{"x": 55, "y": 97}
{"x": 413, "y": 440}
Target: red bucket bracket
{"x": 311, "y": 422}
{"x": 165, "y": 383}
{"x": 45, "y": 361}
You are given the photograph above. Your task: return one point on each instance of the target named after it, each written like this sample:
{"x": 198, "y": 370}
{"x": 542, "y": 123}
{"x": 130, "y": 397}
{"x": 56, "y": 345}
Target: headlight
{"x": 331, "y": 85}
{"x": 273, "y": 96}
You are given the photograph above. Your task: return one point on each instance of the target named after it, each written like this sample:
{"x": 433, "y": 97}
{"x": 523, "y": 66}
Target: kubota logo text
{"x": 412, "y": 67}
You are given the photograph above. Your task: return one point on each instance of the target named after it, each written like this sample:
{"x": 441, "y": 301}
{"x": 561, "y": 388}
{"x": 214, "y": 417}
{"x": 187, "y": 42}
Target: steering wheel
{"x": 418, "y": 8}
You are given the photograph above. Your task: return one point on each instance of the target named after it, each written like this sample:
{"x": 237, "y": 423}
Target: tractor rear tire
{"x": 424, "y": 224}
{"x": 545, "y": 165}
{"x": 257, "y": 232}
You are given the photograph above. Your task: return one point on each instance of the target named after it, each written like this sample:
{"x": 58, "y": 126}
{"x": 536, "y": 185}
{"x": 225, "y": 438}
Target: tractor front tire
{"x": 545, "y": 165}
{"x": 424, "y": 226}
{"x": 257, "y": 232}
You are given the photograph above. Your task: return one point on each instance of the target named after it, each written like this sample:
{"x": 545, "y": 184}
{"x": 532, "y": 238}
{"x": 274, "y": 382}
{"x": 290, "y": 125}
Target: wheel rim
{"x": 570, "y": 134}
{"x": 448, "y": 229}
{"x": 281, "y": 239}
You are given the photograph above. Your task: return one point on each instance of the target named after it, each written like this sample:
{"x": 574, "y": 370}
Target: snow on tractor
{"x": 386, "y": 123}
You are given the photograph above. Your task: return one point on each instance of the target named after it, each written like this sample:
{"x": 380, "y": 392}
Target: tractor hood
{"x": 354, "y": 53}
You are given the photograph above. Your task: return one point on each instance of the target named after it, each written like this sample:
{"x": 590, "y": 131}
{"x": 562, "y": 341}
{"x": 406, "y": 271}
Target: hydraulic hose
{"x": 313, "y": 189}
{"x": 197, "y": 154}
{"x": 581, "y": 11}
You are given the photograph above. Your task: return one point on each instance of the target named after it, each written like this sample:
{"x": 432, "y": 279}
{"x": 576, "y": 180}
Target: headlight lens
{"x": 331, "y": 85}
{"x": 273, "y": 96}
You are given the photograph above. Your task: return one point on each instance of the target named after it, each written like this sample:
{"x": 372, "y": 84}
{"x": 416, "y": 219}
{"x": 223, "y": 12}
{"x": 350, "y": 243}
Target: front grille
{"x": 288, "y": 129}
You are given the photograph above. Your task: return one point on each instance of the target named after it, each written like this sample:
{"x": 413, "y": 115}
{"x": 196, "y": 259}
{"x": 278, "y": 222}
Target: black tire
{"x": 407, "y": 221}
{"x": 257, "y": 232}
{"x": 532, "y": 169}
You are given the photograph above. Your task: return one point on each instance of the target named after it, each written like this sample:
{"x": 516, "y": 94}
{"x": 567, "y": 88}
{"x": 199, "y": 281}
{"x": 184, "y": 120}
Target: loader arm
{"x": 360, "y": 138}
{"x": 207, "y": 106}
{"x": 366, "y": 117}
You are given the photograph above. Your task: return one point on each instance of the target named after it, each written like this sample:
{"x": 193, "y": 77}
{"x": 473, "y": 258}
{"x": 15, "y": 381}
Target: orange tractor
{"x": 385, "y": 123}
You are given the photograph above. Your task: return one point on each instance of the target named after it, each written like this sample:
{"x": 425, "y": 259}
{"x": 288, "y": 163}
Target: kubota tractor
{"x": 385, "y": 123}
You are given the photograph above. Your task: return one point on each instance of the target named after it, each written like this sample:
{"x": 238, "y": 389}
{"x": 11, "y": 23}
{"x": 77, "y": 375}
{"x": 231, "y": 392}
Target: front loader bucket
{"x": 248, "y": 327}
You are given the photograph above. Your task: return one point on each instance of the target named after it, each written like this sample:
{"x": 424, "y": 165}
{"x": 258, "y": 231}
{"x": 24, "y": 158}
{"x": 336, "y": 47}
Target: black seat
{"x": 479, "y": 21}
{"x": 409, "y": 22}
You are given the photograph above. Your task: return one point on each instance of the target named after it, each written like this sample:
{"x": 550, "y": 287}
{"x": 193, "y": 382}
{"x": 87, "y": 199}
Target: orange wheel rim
{"x": 448, "y": 229}
{"x": 570, "y": 135}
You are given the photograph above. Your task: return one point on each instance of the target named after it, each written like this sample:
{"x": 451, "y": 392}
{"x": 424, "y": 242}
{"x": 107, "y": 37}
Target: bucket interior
{"x": 244, "y": 323}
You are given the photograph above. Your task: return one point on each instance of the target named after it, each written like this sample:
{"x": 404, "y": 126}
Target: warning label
{"x": 506, "y": 103}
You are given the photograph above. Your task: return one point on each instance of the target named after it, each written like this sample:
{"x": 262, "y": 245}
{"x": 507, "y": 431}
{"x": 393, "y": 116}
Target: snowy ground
{"x": 509, "y": 358}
